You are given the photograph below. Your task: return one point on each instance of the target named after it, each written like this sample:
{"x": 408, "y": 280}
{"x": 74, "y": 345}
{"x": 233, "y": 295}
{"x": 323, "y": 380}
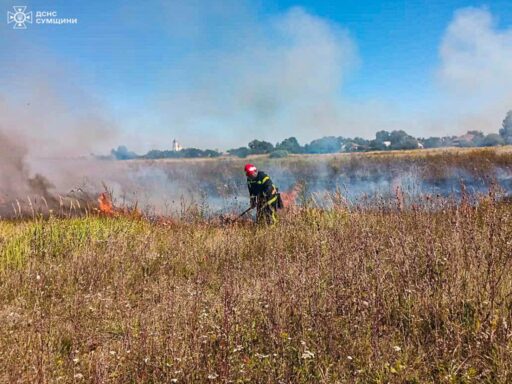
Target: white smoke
{"x": 265, "y": 77}
{"x": 44, "y": 113}
{"x": 285, "y": 79}
{"x": 474, "y": 75}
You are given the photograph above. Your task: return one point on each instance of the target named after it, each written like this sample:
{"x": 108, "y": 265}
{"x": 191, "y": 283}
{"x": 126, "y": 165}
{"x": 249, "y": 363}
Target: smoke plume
{"x": 474, "y": 75}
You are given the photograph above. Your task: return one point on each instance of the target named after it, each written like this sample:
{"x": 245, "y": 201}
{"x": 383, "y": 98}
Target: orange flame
{"x": 105, "y": 204}
{"x": 290, "y": 198}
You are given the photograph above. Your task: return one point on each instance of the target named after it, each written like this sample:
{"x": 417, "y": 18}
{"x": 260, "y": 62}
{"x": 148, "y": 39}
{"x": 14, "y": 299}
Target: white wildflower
{"x": 349, "y": 357}
{"x": 308, "y": 355}
{"x": 397, "y": 348}
{"x": 78, "y": 376}
{"x": 212, "y": 376}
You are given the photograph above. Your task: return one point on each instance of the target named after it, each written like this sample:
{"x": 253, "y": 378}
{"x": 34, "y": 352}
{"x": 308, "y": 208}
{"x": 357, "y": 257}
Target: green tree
{"x": 506, "y": 130}
{"x": 290, "y": 145}
{"x": 211, "y": 153}
{"x": 278, "y": 154}
{"x": 382, "y": 136}
{"x": 493, "y": 139}
{"x": 122, "y": 153}
{"x": 328, "y": 144}
{"x": 241, "y": 152}
{"x": 401, "y": 140}
{"x": 433, "y": 142}
{"x": 258, "y": 147}
{"x": 478, "y": 138}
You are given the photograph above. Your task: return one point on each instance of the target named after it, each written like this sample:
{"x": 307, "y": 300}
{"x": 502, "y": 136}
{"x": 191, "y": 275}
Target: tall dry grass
{"x": 366, "y": 295}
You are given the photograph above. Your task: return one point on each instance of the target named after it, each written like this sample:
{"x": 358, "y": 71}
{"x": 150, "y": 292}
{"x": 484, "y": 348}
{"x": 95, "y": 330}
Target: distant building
{"x": 176, "y": 147}
{"x": 387, "y": 144}
{"x": 350, "y": 147}
{"x": 464, "y": 140}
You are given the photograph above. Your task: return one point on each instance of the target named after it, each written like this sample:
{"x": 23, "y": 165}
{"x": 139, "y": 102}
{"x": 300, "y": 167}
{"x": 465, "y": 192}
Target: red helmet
{"x": 250, "y": 170}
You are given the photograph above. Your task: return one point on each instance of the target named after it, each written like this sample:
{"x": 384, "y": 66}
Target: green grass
{"x": 362, "y": 296}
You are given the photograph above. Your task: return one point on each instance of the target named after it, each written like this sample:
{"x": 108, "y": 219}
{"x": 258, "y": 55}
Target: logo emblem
{"x": 19, "y": 17}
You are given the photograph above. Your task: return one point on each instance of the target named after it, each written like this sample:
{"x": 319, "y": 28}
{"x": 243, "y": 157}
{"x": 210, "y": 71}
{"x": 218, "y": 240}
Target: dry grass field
{"x": 369, "y": 295}
{"x": 382, "y": 292}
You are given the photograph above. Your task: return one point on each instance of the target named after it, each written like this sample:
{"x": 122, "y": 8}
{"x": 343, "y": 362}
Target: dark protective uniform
{"x": 264, "y": 196}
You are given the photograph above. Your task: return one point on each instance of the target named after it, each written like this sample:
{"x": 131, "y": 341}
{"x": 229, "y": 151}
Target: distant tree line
{"x": 384, "y": 140}
{"x": 122, "y": 153}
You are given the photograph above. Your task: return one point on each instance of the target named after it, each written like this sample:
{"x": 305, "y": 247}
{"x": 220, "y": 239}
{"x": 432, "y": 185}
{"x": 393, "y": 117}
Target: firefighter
{"x": 263, "y": 194}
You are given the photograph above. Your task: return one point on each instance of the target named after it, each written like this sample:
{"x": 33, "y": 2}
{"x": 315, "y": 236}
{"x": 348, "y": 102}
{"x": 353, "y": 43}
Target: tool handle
{"x": 244, "y": 212}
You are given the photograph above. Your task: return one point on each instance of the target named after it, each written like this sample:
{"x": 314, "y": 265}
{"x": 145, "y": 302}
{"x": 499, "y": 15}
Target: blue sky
{"x": 219, "y": 73}
{"x": 398, "y": 40}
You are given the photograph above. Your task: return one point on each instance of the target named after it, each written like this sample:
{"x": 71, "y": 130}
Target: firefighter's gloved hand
{"x": 253, "y": 202}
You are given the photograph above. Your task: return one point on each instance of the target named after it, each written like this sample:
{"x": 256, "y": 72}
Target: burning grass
{"x": 161, "y": 187}
{"x": 370, "y": 294}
